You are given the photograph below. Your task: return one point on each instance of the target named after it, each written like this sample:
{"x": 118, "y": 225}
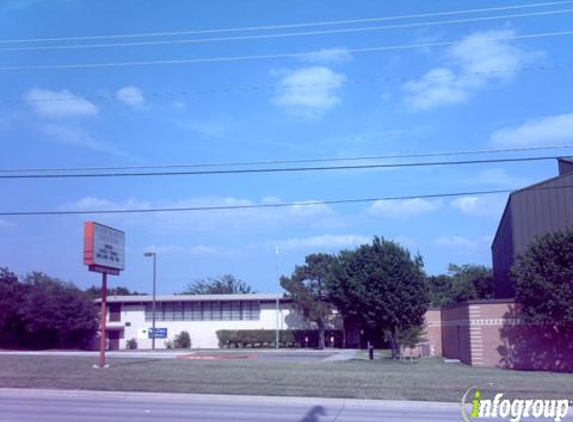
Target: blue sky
{"x": 427, "y": 103}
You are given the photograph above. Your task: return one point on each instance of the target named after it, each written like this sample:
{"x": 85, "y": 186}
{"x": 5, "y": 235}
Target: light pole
{"x": 148, "y": 255}
{"x": 277, "y": 304}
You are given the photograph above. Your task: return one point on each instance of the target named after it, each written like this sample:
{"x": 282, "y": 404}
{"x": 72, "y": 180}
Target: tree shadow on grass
{"x": 535, "y": 347}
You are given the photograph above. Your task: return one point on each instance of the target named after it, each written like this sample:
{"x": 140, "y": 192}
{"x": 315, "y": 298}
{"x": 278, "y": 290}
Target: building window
{"x": 168, "y": 311}
{"x": 177, "y": 311}
{"x": 236, "y": 311}
{"x": 204, "y": 311}
{"x": 251, "y": 311}
{"x": 158, "y": 312}
{"x": 226, "y": 311}
{"x": 216, "y": 311}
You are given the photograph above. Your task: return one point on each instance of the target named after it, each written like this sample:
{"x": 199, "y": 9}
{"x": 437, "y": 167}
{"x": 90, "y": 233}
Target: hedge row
{"x": 267, "y": 338}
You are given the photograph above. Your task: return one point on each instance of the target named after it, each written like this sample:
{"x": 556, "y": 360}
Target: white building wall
{"x": 202, "y": 333}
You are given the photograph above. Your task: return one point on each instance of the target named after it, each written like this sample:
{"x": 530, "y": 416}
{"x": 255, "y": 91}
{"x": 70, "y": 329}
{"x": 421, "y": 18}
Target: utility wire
{"x": 288, "y": 26}
{"x": 278, "y": 87}
{"x": 274, "y": 169}
{"x": 277, "y": 55}
{"x": 287, "y": 161}
{"x": 280, "y": 35}
{"x": 273, "y": 205}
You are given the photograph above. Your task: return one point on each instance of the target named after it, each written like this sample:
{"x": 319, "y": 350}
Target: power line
{"x": 288, "y": 26}
{"x": 221, "y": 59}
{"x": 278, "y": 87}
{"x": 281, "y": 35}
{"x": 274, "y": 169}
{"x": 273, "y": 205}
{"x": 289, "y": 161}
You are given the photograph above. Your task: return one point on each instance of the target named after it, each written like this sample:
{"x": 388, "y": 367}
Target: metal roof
{"x": 194, "y": 298}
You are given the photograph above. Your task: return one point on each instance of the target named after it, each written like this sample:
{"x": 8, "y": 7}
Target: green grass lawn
{"x": 427, "y": 379}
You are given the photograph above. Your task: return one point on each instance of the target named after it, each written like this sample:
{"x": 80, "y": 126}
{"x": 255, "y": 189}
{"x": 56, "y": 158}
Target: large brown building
{"x": 492, "y": 332}
{"x": 533, "y": 211}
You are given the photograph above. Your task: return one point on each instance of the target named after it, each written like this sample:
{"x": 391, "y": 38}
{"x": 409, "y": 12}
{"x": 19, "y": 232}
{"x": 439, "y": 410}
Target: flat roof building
{"x": 130, "y": 317}
{"x": 533, "y": 211}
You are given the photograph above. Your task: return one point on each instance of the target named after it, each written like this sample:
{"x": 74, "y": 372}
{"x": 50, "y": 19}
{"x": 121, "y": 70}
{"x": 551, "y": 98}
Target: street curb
{"x": 238, "y": 399}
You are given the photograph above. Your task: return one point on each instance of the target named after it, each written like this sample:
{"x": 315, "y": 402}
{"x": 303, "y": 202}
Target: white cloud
{"x": 463, "y": 245}
{"x": 198, "y": 250}
{"x": 131, "y": 95}
{"x": 329, "y": 55}
{"x": 325, "y": 241}
{"x": 472, "y": 63}
{"x": 486, "y": 205}
{"x": 438, "y": 86}
{"x": 481, "y": 52}
{"x": 75, "y": 136}
{"x": 404, "y": 208}
{"x": 302, "y": 210}
{"x": 498, "y": 177}
{"x": 548, "y": 130}
{"x": 212, "y": 221}
{"x": 5, "y": 224}
{"x": 309, "y": 92}
{"x": 59, "y": 104}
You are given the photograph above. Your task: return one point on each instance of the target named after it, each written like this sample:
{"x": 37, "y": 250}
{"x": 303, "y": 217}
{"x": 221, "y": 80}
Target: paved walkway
{"x": 327, "y": 355}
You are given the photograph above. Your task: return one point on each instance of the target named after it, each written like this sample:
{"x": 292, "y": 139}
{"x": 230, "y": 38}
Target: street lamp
{"x": 277, "y": 338}
{"x": 149, "y": 255}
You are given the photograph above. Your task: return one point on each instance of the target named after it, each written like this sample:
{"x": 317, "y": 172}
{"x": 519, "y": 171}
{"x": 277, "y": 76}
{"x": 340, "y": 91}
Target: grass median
{"x": 427, "y": 379}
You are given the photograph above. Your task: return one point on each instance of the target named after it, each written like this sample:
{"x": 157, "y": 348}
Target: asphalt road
{"x": 73, "y": 406}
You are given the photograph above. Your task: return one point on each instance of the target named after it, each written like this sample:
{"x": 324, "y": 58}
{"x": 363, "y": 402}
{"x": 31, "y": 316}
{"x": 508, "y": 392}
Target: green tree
{"x": 225, "y": 284}
{"x": 412, "y": 337}
{"x": 440, "y": 289}
{"x": 56, "y": 313}
{"x": 544, "y": 280}
{"x": 471, "y": 282}
{"x": 381, "y": 285}
{"x": 307, "y": 287}
{"x": 95, "y": 291}
{"x": 11, "y": 294}
{"x": 465, "y": 282}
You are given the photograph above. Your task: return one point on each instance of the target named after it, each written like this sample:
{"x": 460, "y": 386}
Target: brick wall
{"x": 493, "y": 333}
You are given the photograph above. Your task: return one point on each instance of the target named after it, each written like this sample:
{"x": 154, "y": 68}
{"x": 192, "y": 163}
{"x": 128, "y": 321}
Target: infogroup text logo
{"x": 475, "y": 406}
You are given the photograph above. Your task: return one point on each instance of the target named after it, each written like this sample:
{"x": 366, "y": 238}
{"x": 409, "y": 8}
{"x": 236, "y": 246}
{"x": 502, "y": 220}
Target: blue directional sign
{"x": 159, "y": 333}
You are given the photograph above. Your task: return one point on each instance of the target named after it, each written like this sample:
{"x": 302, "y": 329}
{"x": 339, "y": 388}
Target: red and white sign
{"x": 103, "y": 248}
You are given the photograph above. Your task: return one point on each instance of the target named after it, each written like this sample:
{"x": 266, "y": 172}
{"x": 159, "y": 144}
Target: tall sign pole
{"x": 103, "y": 253}
{"x": 103, "y": 318}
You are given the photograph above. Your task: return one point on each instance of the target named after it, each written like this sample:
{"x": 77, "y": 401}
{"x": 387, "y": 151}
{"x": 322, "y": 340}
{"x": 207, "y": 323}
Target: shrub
{"x": 182, "y": 341}
{"x": 168, "y": 344}
{"x": 132, "y": 344}
{"x": 267, "y": 338}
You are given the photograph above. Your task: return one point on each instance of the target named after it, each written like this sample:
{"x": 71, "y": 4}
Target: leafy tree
{"x": 225, "y": 284}
{"x": 11, "y": 293}
{"x": 56, "y": 313}
{"x": 381, "y": 285}
{"x": 471, "y": 282}
{"x": 466, "y": 282}
{"x": 544, "y": 280}
{"x": 440, "y": 289}
{"x": 95, "y": 291}
{"x": 307, "y": 287}
{"x": 412, "y": 336}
